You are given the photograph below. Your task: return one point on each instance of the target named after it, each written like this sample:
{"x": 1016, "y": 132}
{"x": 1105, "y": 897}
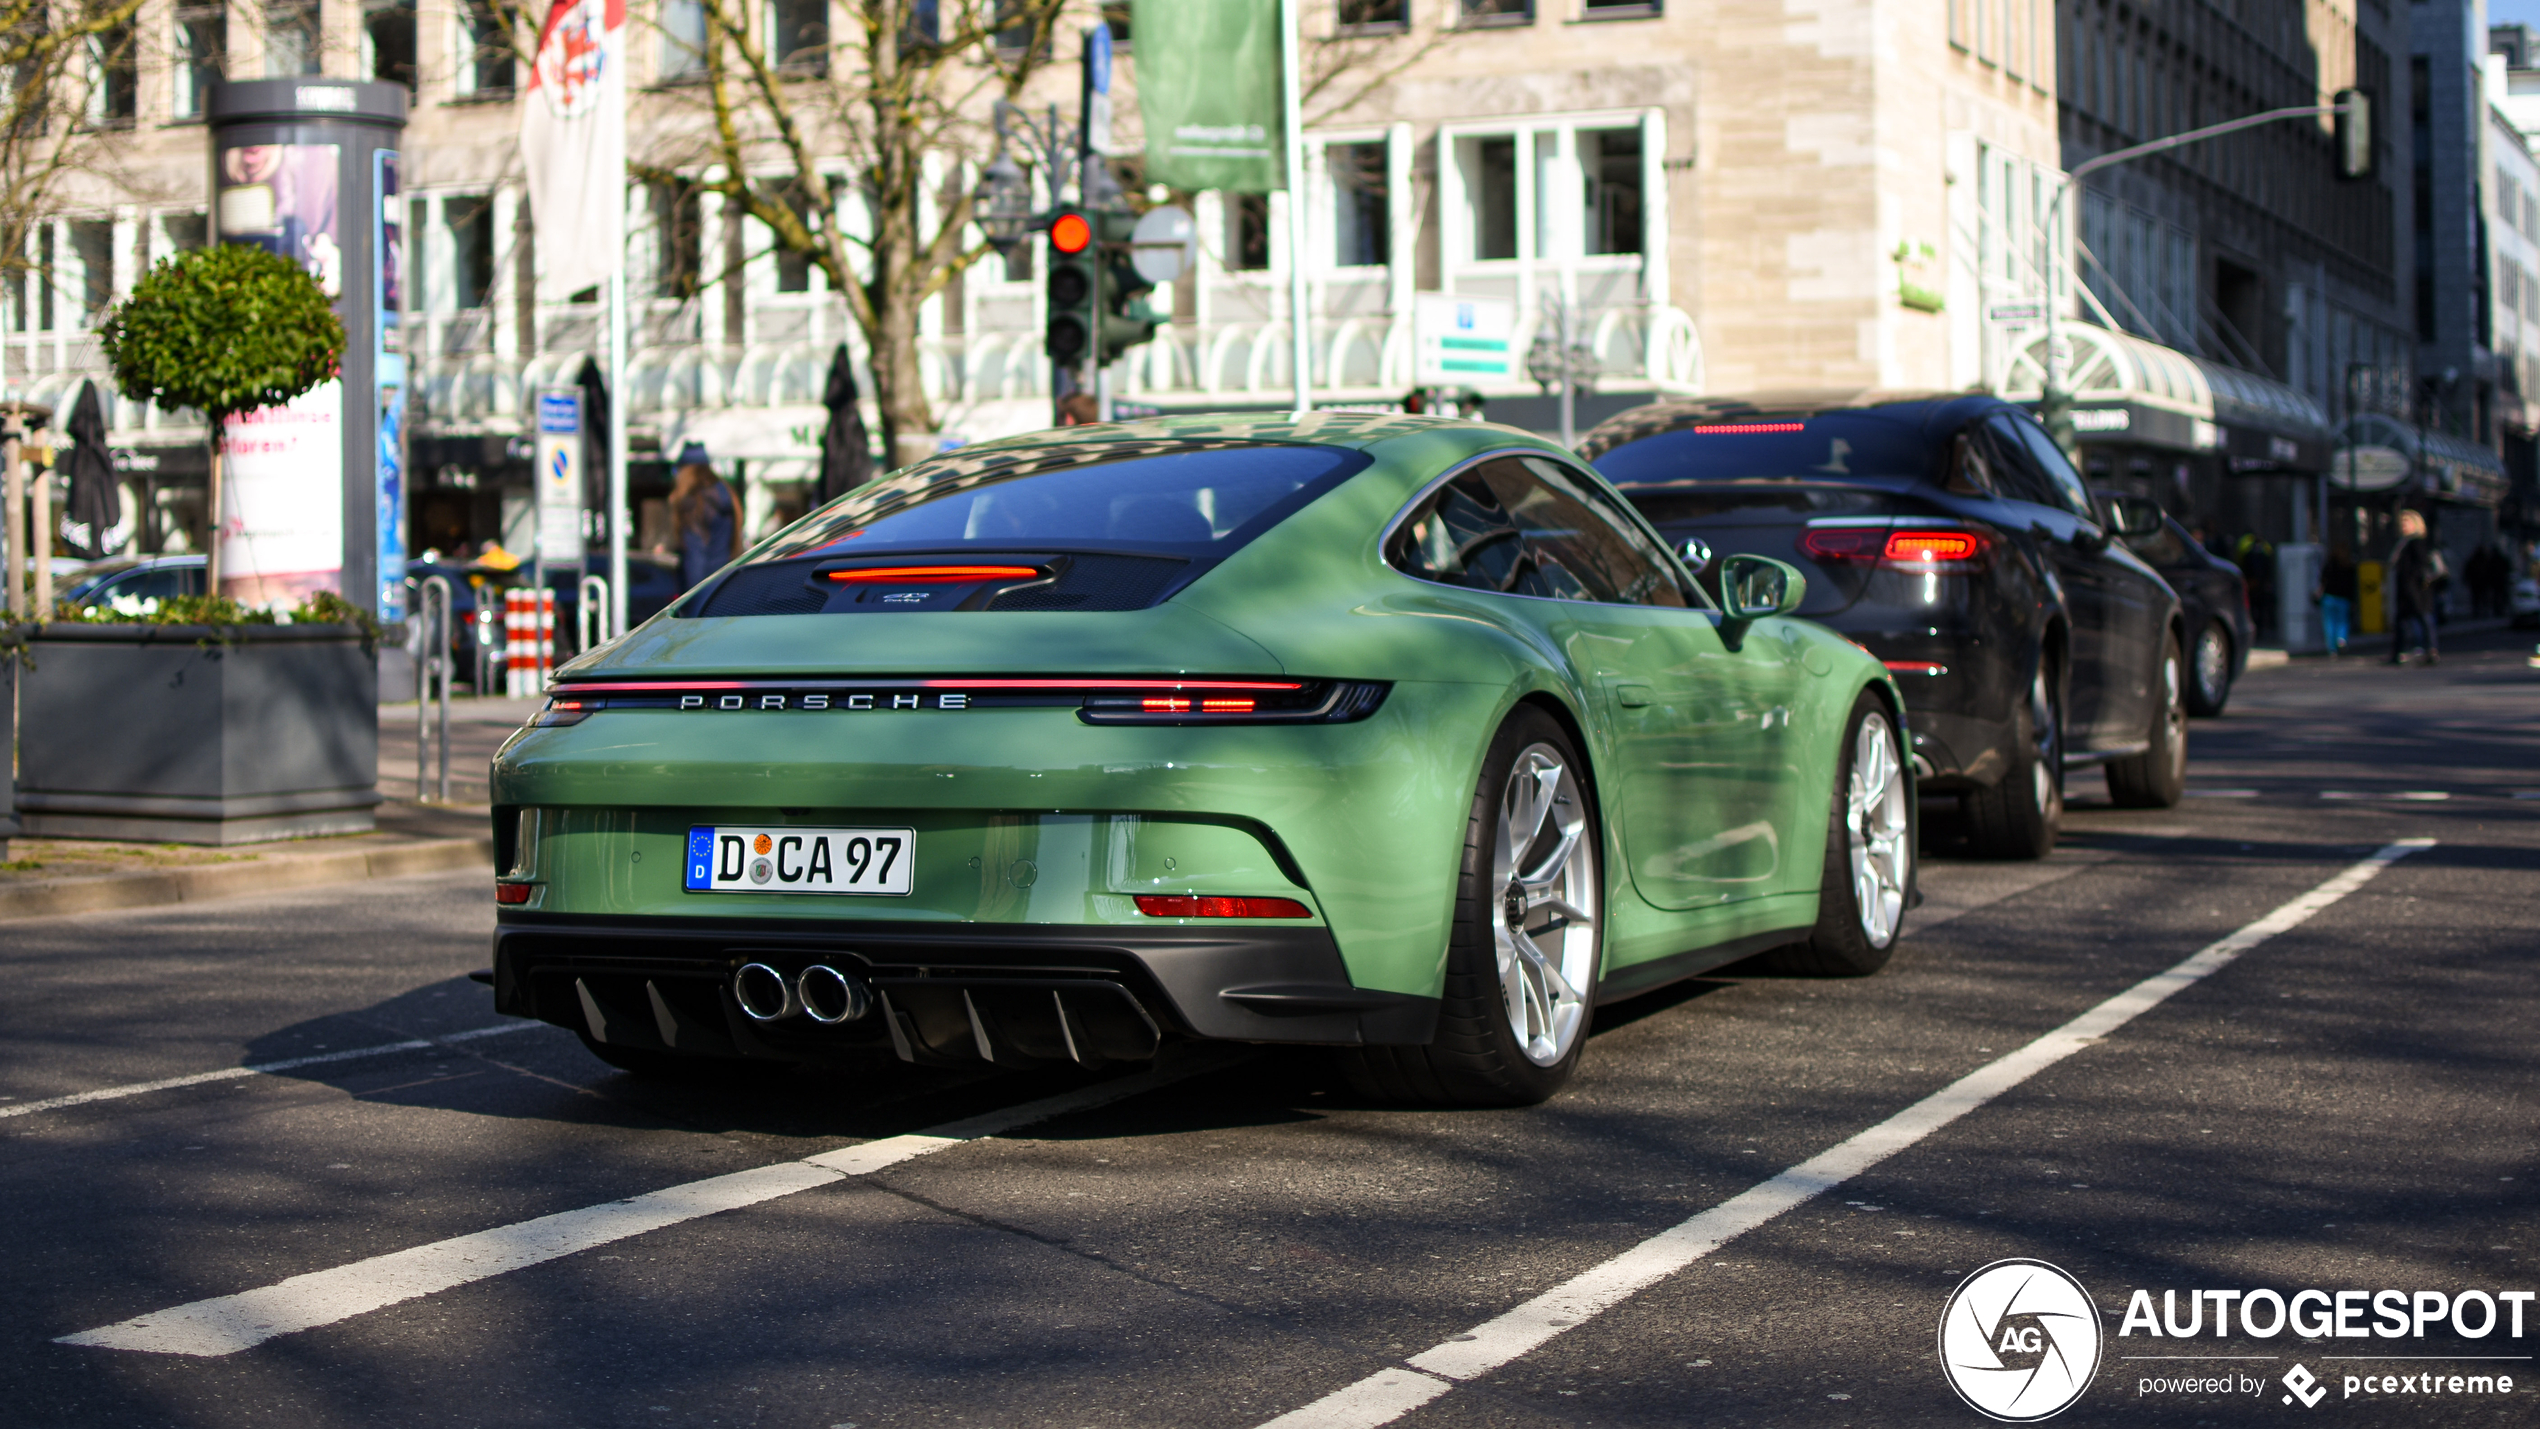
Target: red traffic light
{"x": 1071, "y": 233}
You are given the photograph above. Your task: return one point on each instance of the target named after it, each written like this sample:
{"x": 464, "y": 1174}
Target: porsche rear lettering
{"x": 825, "y": 702}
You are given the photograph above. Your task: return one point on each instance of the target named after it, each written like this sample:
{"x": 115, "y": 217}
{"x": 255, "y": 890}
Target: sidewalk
{"x": 48, "y": 877}
{"x": 477, "y": 729}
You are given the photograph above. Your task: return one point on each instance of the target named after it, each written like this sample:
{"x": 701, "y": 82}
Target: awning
{"x": 2377, "y": 452}
{"x": 2129, "y": 390}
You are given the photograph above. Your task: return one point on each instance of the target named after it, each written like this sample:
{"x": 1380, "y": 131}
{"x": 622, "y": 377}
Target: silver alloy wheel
{"x": 2213, "y": 663}
{"x": 1874, "y": 817}
{"x": 1543, "y": 869}
{"x": 2174, "y": 710}
{"x": 2050, "y": 741}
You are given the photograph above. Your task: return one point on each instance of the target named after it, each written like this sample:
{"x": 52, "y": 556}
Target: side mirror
{"x": 1696, "y": 554}
{"x": 1752, "y": 587}
{"x": 2131, "y": 515}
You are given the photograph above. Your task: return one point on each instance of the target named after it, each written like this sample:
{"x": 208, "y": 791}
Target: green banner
{"x": 1208, "y": 89}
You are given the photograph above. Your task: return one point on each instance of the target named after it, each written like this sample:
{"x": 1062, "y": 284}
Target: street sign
{"x": 1098, "y": 89}
{"x": 559, "y": 475}
{"x": 2016, "y": 313}
{"x": 1165, "y": 244}
{"x": 1461, "y": 341}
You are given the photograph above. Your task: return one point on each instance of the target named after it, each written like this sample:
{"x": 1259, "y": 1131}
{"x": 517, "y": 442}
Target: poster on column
{"x": 282, "y": 504}
{"x": 282, "y": 468}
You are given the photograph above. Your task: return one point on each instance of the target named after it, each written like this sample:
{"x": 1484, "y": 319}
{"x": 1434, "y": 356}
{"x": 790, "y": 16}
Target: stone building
{"x": 1738, "y": 194}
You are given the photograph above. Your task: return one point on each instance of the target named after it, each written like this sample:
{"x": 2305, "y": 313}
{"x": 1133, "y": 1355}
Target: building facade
{"x": 1726, "y": 196}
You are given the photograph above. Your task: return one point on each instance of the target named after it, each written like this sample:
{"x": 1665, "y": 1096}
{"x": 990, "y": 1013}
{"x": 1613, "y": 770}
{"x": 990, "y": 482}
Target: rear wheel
{"x": 2209, "y": 672}
{"x": 2157, "y": 778}
{"x": 1522, "y": 957}
{"x": 2020, "y": 815}
{"x": 1869, "y": 869}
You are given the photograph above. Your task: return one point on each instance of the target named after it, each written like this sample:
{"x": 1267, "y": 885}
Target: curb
{"x": 195, "y": 885}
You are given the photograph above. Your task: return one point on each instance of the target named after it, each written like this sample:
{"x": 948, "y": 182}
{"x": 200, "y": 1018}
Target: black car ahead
{"x": 2213, "y": 599}
{"x": 1948, "y": 536}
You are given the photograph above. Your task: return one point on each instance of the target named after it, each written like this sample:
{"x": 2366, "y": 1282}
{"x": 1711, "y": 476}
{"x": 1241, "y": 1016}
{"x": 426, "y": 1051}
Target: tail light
{"x": 1304, "y": 702}
{"x": 931, "y": 574}
{"x": 512, "y": 893}
{"x": 1913, "y": 549}
{"x": 1182, "y": 906}
{"x": 1933, "y": 547}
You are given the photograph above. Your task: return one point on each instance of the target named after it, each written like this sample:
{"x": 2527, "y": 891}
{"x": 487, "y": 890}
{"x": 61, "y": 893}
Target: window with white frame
{"x": 1554, "y": 190}
{"x": 291, "y": 38}
{"x": 798, "y": 34}
{"x": 1247, "y": 232}
{"x": 200, "y": 41}
{"x": 485, "y": 62}
{"x": 114, "y": 74}
{"x": 1498, "y": 12}
{"x": 683, "y": 38}
{"x": 1362, "y": 204}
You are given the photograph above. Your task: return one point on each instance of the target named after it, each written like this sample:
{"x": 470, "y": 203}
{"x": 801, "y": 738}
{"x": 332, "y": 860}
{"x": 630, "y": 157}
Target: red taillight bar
{"x": 1933, "y": 547}
{"x": 1166, "y": 905}
{"x": 655, "y": 687}
{"x": 932, "y": 575}
{"x": 1748, "y": 429}
{"x": 512, "y": 892}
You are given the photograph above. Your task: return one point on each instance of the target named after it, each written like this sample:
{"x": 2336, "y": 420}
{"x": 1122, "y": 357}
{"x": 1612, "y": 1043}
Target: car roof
{"x": 1927, "y": 409}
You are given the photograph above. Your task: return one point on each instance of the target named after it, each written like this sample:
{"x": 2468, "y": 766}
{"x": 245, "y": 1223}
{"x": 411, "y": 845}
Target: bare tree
{"x": 876, "y": 117}
{"x": 63, "y": 69}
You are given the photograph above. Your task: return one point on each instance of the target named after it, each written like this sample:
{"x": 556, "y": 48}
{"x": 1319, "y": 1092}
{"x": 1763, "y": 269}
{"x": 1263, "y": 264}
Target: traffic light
{"x": 1126, "y": 319}
{"x": 2354, "y": 134}
{"x": 1074, "y": 287}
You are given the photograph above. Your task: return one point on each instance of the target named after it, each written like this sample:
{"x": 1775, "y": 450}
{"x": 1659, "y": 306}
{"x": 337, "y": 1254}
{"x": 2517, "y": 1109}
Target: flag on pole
{"x": 573, "y": 141}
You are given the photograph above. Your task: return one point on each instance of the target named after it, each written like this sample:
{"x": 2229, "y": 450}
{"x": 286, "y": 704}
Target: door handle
{"x": 1632, "y": 697}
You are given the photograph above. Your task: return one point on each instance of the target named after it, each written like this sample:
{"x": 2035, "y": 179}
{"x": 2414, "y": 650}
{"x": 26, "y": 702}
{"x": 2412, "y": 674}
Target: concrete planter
{"x": 197, "y": 734}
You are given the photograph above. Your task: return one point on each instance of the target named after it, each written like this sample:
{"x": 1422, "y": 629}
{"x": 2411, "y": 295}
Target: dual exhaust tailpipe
{"x": 821, "y": 993}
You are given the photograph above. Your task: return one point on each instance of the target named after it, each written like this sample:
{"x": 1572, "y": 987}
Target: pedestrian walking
{"x": 705, "y": 516}
{"x": 2416, "y": 568}
{"x": 2336, "y": 595}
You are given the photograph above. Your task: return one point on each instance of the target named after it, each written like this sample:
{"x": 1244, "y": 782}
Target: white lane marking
{"x": 2222, "y": 793}
{"x": 1383, "y": 1397}
{"x": 227, "y": 1074}
{"x": 2414, "y": 796}
{"x": 230, "y": 1323}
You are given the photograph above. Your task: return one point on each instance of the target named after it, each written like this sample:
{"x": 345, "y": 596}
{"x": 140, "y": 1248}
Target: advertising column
{"x": 312, "y": 494}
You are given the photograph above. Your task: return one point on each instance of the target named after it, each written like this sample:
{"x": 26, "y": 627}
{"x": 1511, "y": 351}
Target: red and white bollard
{"x": 529, "y": 641}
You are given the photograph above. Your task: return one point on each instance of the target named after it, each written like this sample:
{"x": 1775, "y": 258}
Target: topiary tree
{"x": 224, "y": 329}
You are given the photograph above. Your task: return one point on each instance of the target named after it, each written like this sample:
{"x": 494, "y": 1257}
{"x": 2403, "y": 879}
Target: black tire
{"x": 2157, "y": 778}
{"x": 2209, "y": 672}
{"x": 2019, "y": 817}
{"x": 1878, "y": 828}
{"x": 1476, "y": 1058}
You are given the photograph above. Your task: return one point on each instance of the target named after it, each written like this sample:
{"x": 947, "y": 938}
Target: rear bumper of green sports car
{"x": 1021, "y": 938}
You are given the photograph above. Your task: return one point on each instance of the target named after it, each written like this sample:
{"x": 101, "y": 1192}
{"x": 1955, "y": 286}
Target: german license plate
{"x": 726, "y": 859}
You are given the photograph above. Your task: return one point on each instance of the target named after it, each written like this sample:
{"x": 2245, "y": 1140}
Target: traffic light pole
{"x": 1292, "y": 124}
{"x": 2054, "y": 405}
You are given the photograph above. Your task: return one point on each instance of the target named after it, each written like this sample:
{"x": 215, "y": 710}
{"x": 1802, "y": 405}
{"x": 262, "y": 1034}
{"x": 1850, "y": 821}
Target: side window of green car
{"x": 1521, "y": 526}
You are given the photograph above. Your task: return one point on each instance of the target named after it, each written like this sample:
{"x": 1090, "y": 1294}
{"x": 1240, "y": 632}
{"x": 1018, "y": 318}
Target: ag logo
{"x": 2019, "y": 1340}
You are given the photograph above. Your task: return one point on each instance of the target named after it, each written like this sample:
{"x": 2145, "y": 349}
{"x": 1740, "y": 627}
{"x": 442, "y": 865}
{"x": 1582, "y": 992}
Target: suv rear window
{"x": 1828, "y": 446}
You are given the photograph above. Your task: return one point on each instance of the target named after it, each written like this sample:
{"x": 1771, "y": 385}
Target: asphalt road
{"x": 2345, "y": 1106}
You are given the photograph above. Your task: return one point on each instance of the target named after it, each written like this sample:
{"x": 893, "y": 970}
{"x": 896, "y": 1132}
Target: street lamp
{"x": 2353, "y": 111}
{"x": 1004, "y": 199}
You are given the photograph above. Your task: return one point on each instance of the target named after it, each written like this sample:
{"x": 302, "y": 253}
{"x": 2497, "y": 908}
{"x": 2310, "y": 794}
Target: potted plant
{"x": 199, "y": 720}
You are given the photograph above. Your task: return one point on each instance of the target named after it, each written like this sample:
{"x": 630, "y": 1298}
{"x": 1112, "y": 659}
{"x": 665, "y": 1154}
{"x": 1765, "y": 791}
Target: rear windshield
{"x": 1830, "y": 446}
{"x": 1178, "y": 498}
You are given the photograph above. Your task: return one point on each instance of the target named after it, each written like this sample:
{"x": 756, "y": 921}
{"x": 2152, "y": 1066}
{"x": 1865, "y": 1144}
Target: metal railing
{"x": 432, "y": 657}
{"x": 590, "y": 613}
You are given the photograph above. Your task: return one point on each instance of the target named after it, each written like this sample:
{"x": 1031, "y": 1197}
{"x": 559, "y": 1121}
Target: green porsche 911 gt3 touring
{"x": 1399, "y": 735}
